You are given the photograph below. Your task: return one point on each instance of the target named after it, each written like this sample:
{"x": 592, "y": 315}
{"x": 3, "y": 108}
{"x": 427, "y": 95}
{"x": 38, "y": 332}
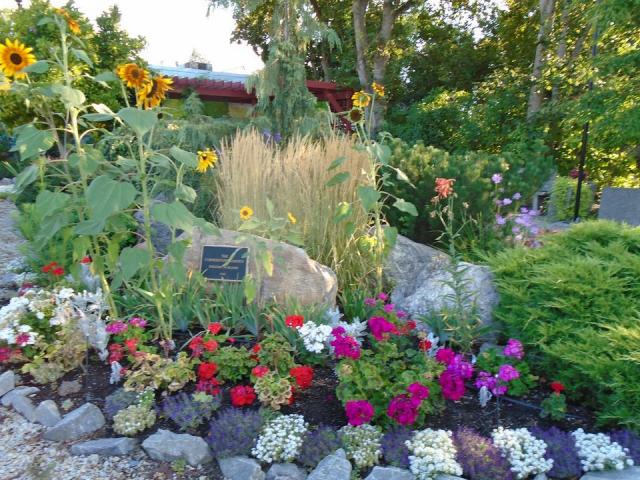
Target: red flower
{"x": 209, "y": 386}
{"x": 425, "y": 345}
{"x": 256, "y": 348}
{"x": 231, "y": 340}
{"x": 196, "y": 346}
{"x": 207, "y": 370}
{"x": 58, "y": 271}
{"x": 214, "y": 328}
{"x": 411, "y": 324}
{"x": 259, "y": 371}
{"x": 48, "y": 267}
{"x": 294, "y": 321}
{"x": 303, "y": 376}
{"x": 86, "y": 260}
{"x": 444, "y": 187}
{"x": 291, "y": 399}
{"x": 210, "y": 345}
{"x": 131, "y": 344}
{"x": 557, "y": 387}
{"x": 115, "y": 352}
{"x": 242, "y": 395}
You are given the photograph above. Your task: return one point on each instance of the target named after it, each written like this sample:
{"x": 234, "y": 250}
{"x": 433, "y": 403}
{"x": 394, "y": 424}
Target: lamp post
{"x": 19, "y": 2}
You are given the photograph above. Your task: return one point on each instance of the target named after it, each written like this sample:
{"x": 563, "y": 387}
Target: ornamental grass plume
{"x": 561, "y": 448}
{"x": 479, "y": 457}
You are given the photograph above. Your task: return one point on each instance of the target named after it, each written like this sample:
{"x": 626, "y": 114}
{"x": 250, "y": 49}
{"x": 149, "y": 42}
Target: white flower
{"x": 314, "y": 336}
{"x": 281, "y": 440}
{"x": 524, "y": 451}
{"x": 432, "y": 453}
{"x": 362, "y": 444}
{"x": 598, "y": 452}
{"x": 65, "y": 293}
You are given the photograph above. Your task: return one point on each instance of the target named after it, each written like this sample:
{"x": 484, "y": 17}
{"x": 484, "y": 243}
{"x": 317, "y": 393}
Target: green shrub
{"x": 563, "y": 198}
{"x": 576, "y": 301}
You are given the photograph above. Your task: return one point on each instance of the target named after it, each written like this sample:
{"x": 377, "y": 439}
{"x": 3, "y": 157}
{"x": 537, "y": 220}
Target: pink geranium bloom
{"x": 370, "y": 302}
{"x": 419, "y": 391}
{"x": 358, "y": 412}
{"x": 343, "y": 345}
{"x": 383, "y": 296}
{"x": 506, "y": 373}
{"x": 514, "y": 349}
{"x": 404, "y": 409}
{"x": 380, "y": 326}
{"x": 138, "y": 322}
{"x": 461, "y": 367}
{"x": 452, "y": 385}
{"x": 389, "y": 308}
{"x": 445, "y": 355}
{"x": 116, "y": 328}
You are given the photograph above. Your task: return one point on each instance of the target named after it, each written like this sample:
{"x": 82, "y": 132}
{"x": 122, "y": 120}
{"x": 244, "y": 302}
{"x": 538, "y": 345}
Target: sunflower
{"x": 356, "y": 115}
{"x": 292, "y": 218}
{"x": 378, "y": 89}
{"x": 361, "y": 99}
{"x": 71, "y": 23}
{"x": 153, "y": 92}
{"x": 14, "y": 56}
{"x": 206, "y": 160}
{"x": 246, "y": 213}
{"x": 132, "y": 75}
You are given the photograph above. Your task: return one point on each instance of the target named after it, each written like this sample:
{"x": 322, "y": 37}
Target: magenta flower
{"x": 499, "y": 390}
{"x": 506, "y": 373}
{"x": 383, "y": 296}
{"x": 496, "y": 178}
{"x": 404, "y": 409}
{"x": 358, "y": 412}
{"x": 445, "y": 355}
{"x": 380, "y": 326}
{"x": 116, "y": 328}
{"x": 23, "y": 339}
{"x": 418, "y": 391}
{"x": 462, "y": 368}
{"x": 389, "y": 308}
{"x": 401, "y": 314}
{"x": 514, "y": 349}
{"x": 138, "y": 322}
{"x": 370, "y": 302}
{"x": 485, "y": 379}
{"x": 343, "y": 345}
{"x": 452, "y": 385}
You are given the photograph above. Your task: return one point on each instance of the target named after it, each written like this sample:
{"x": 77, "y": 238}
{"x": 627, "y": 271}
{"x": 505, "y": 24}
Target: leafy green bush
{"x": 563, "y": 198}
{"x": 576, "y": 300}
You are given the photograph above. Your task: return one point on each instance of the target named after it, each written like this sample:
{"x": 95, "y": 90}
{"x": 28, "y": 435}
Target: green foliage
{"x": 490, "y": 361}
{"x": 563, "y": 198}
{"x": 234, "y": 363}
{"x": 574, "y": 301}
{"x": 276, "y": 353}
{"x": 152, "y": 372}
{"x": 554, "y": 407}
{"x": 273, "y": 390}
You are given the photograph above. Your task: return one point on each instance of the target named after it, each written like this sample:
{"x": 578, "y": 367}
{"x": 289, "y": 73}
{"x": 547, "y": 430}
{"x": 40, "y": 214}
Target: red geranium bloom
{"x": 207, "y": 370}
{"x": 196, "y": 346}
{"x": 291, "y": 399}
{"x": 58, "y": 271}
{"x": 557, "y": 387}
{"x": 131, "y": 344}
{"x": 425, "y": 345}
{"x": 86, "y": 260}
{"x": 210, "y": 345}
{"x": 231, "y": 340}
{"x": 242, "y": 395}
{"x": 215, "y": 328}
{"x": 115, "y": 352}
{"x": 259, "y": 371}
{"x": 48, "y": 267}
{"x": 294, "y": 321}
{"x": 210, "y": 386}
{"x": 303, "y": 376}
{"x": 256, "y": 348}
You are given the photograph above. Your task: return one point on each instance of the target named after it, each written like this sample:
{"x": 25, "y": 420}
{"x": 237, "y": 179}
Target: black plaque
{"x": 224, "y": 263}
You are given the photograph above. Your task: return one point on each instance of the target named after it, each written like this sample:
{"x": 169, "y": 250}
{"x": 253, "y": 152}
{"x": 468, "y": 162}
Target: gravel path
{"x": 24, "y": 455}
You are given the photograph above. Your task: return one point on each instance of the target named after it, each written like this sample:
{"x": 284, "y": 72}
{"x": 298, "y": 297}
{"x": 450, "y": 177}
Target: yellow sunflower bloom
{"x": 132, "y": 75}
{"x": 14, "y": 57}
{"x": 378, "y": 89}
{"x": 206, "y": 160}
{"x": 292, "y": 219}
{"x": 71, "y": 23}
{"x": 361, "y": 99}
{"x": 246, "y": 213}
{"x": 153, "y": 92}
{"x": 356, "y": 115}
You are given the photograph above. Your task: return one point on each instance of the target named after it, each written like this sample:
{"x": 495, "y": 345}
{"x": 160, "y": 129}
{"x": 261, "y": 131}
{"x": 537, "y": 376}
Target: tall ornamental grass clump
{"x": 576, "y": 301}
{"x": 294, "y": 177}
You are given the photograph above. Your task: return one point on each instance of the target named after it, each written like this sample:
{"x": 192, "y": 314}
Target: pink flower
{"x": 383, "y": 296}
{"x": 452, "y": 385}
{"x": 116, "y": 328}
{"x": 485, "y": 379}
{"x": 358, "y": 412}
{"x": 23, "y": 339}
{"x": 462, "y": 368}
{"x": 380, "y": 326}
{"x": 370, "y": 302}
{"x": 401, "y": 314}
{"x": 445, "y": 355}
{"x": 138, "y": 322}
{"x": 343, "y": 345}
{"x": 514, "y": 349}
{"x": 418, "y": 391}
{"x": 506, "y": 373}
{"x": 496, "y": 178}
{"x": 404, "y": 409}
{"x": 389, "y": 308}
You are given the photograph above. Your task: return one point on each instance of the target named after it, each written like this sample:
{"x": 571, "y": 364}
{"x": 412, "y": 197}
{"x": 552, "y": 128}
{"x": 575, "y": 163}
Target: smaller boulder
{"x": 82, "y": 421}
{"x": 332, "y": 467}
{"x": 632, "y": 473}
{"x": 25, "y": 407}
{"x": 240, "y": 468}
{"x": 286, "y": 471}
{"x": 47, "y": 413}
{"x": 7, "y": 382}
{"x": 167, "y": 446}
{"x": 69, "y": 387}
{"x": 106, "y": 447}
{"x": 7, "y": 400}
{"x": 389, "y": 473}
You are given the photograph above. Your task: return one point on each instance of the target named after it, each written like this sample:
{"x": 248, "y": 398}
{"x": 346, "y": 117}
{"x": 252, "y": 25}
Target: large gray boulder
{"x": 47, "y": 413}
{"x": 420, "y": 275}
{"x": 167, "y": 446}
{"x": 295, "y": 275}
{"x": 240, "y": 468}
{"x": 7, "y": 400}
{"x": 80, "y": 422}
{"x": 7, "y": 382}
{"x": 389, "y": 473}
{"x": 25, "y": 407}
{"x": 332, "y": 467}
{"x": 632, "y": 473}
{"x": 285, "y": 471}
{"x": 105, "y": 446}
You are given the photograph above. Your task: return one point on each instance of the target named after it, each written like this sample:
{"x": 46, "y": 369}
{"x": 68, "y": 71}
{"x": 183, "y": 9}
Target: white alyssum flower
{"x": 362, "y": 444}
{"x": 524, "y": 451}
{"x": 314, "y": 336}
{"x": 432, "y": 453}
{"x": 281, "y": 440}
{"x": 598, "y": 452}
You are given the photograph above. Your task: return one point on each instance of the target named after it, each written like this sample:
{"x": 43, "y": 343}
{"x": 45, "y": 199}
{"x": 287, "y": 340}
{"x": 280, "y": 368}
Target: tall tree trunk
{"x": 546, "y": 22}
{"x": 561, "y": 51}
{"x": 381, "y": 57}
{"x": 359, "y": 10}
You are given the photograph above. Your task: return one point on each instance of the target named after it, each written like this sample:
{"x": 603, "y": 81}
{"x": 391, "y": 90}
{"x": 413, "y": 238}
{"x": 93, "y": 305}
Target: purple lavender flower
{"x": 500, "y": 220}
{"x": 234, "y": 432}
{"x": 496, "y": 178}
{"x": 317, "y": 445}
{"x": 561, "y": 448}
{"x": 394, "y": 449}
{"x": 187, "y": 412}
{"x": 479, "y": 458}
{"x": 628, "y": 439}
{"x": 506, "y": 373}
{"x": 506, "y": 201}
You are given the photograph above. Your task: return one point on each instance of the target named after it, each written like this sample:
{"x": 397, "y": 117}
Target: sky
{"x": 173, "y": 29}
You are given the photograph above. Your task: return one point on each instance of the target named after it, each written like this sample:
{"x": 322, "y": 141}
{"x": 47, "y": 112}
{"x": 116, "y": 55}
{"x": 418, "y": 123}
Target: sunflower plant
{"x": 94, "y": 199}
